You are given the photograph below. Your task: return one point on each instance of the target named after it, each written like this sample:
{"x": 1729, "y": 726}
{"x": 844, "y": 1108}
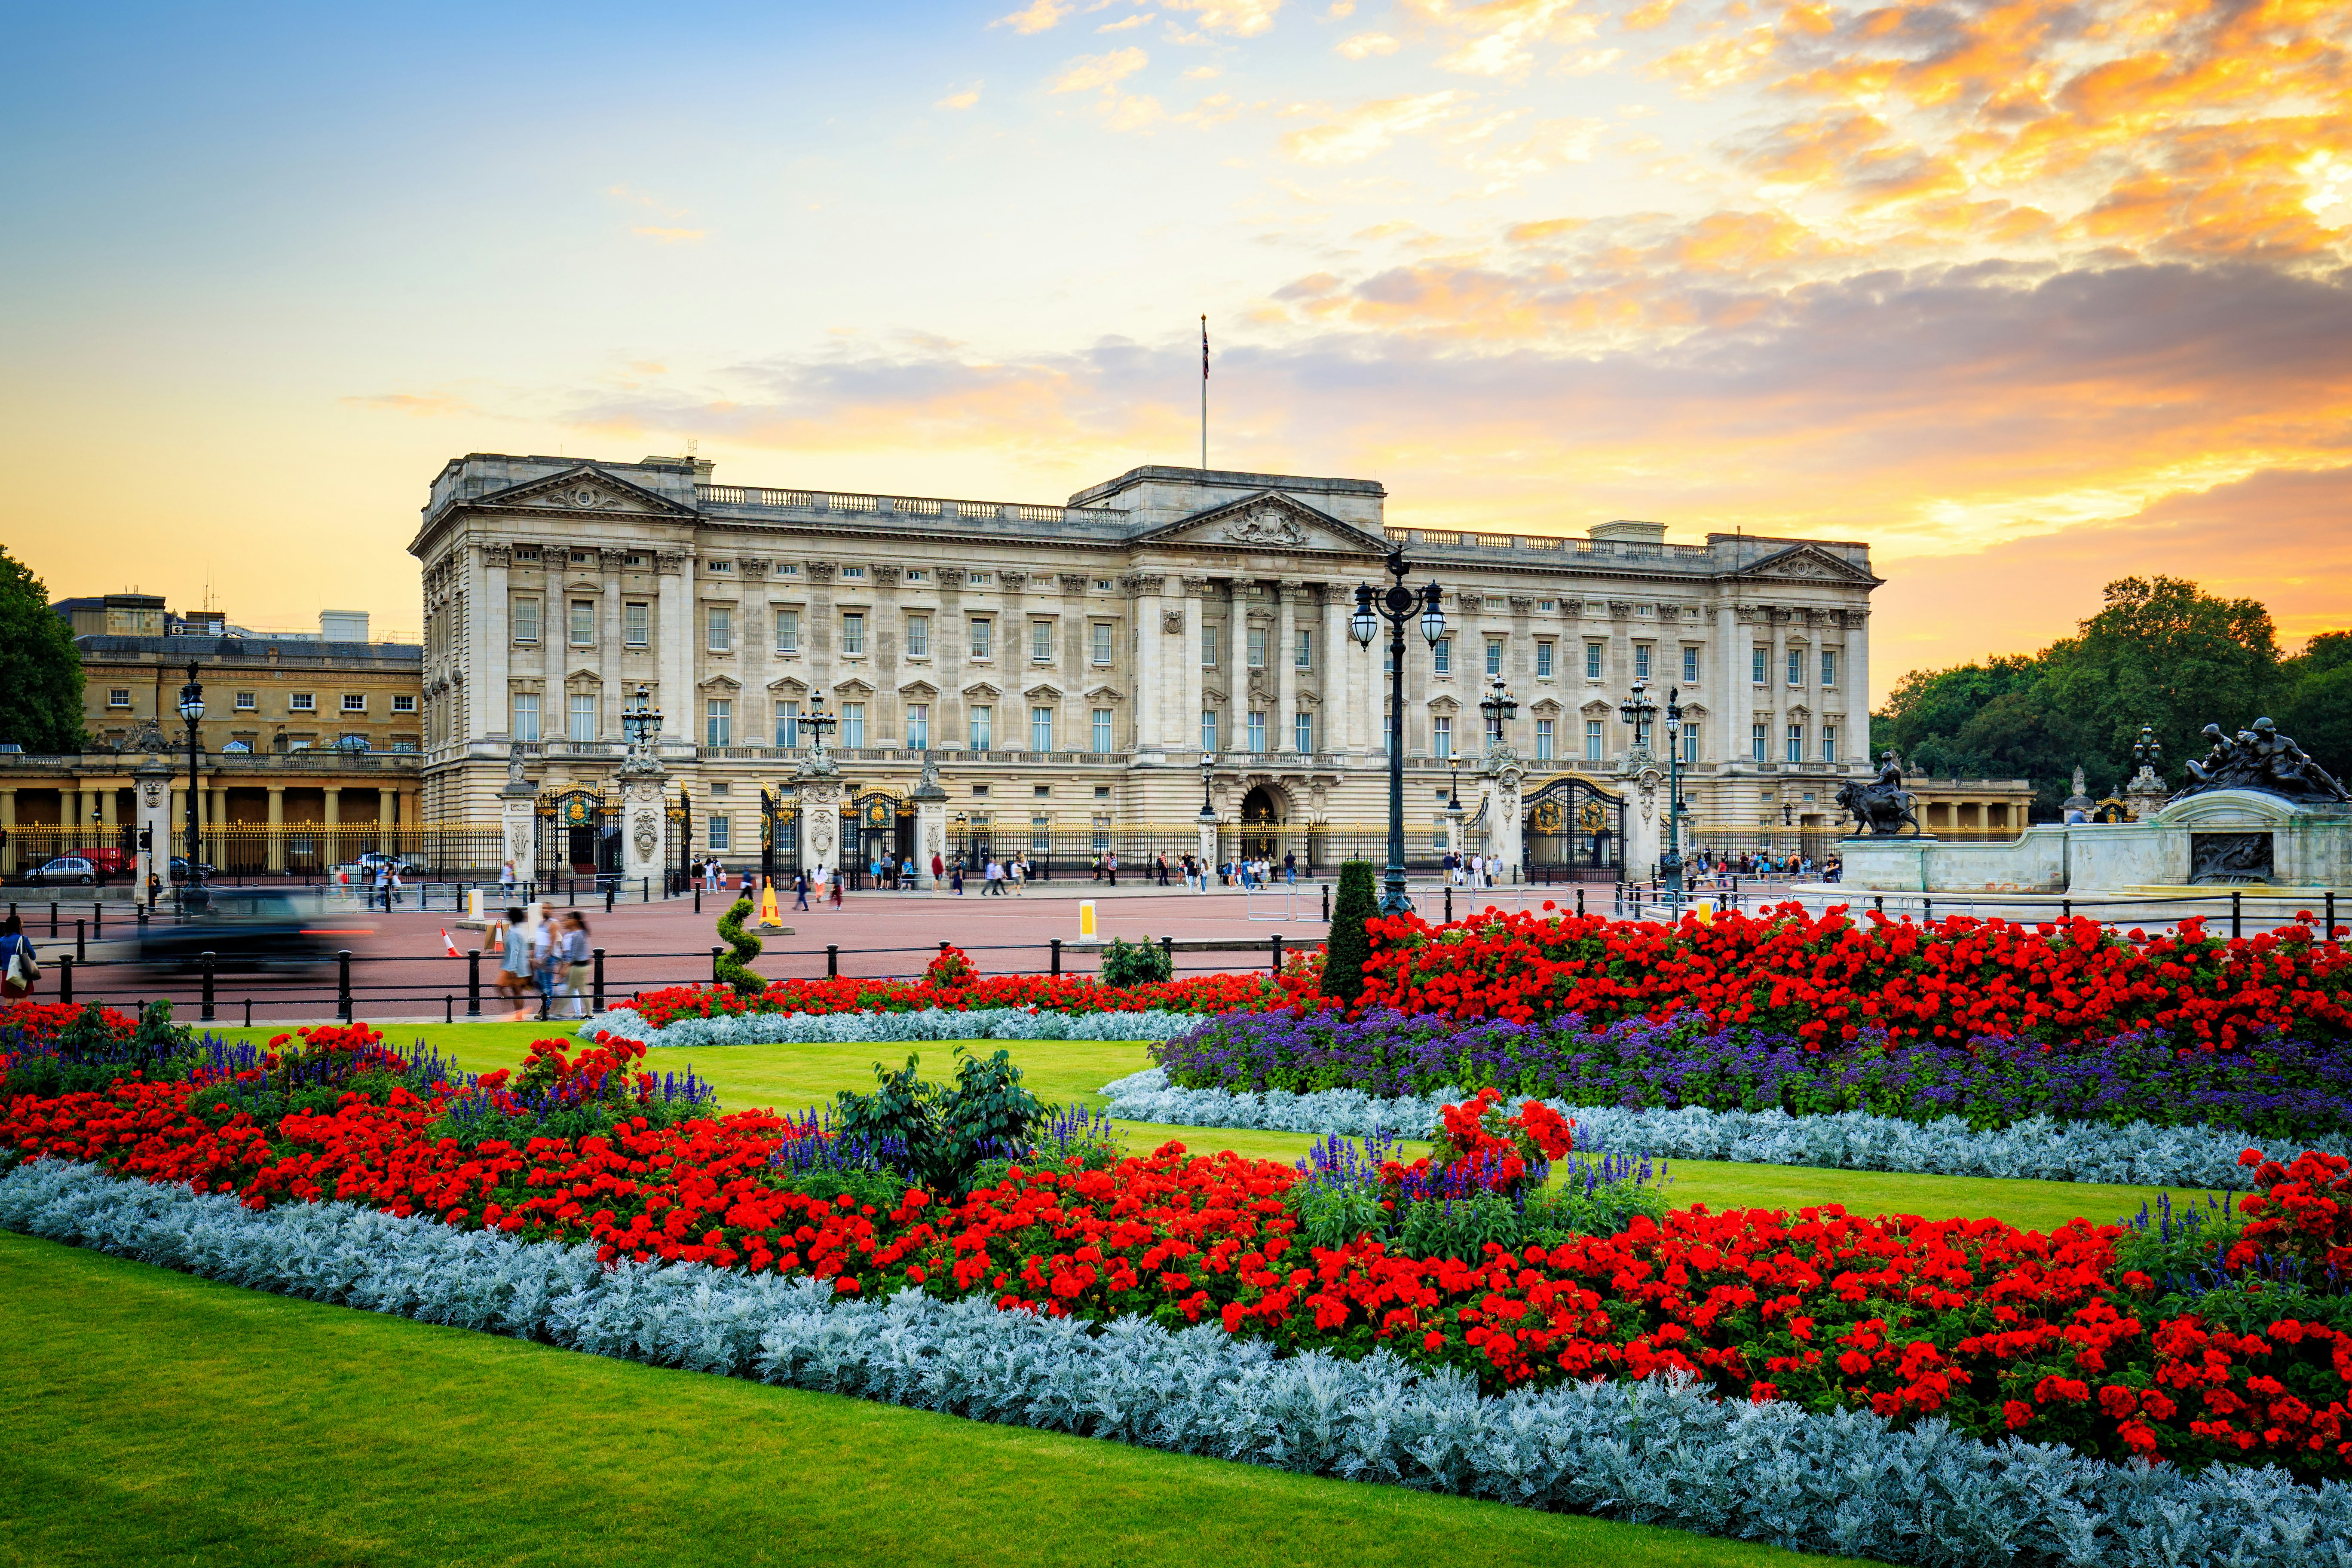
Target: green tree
{"x": 1350, "y": 944}
{"x": 2317, "y": 707}
{"x": 40, "y": 668}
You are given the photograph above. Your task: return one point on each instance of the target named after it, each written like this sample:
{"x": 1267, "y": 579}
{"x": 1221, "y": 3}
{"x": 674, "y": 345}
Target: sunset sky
{"x": 2027, "y": 295}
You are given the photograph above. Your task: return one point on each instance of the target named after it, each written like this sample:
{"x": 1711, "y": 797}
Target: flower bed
{"x": 2089, "y": 1336}
{"x": 1658, "y": 1451}
{"x": 885, "y": 1028}
{"x": 1829, "y": 978}
{"x": 2037, "y": 1147}
{"x": 2273, "y": 1085}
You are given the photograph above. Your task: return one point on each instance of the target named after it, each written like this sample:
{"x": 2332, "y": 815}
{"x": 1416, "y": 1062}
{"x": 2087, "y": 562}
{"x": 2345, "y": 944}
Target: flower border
{"x": 2041, "y": 1149}
{"x": 885, "y": 1028}
{"x": 1655, "y": 1452}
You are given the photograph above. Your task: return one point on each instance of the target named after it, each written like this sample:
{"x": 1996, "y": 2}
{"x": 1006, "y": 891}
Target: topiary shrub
{"x": 1136, "y": 964}
{"x": 939, "y": 1136}
{"x": 735, "y": 968}
{"x": 1350, "y": 945}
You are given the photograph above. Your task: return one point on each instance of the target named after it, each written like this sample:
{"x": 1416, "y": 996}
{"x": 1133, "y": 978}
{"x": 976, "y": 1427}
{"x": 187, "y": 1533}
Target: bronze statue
{"x": 1882, "y": 807}
{"x": 2262, "y": 760}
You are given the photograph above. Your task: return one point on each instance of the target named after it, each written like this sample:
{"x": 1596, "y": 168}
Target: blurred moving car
{"x": 65, "y": 870}
{"x": 179, "y": 870}
{"x": 247, "y": 930}
{"x": 364, "y": 867}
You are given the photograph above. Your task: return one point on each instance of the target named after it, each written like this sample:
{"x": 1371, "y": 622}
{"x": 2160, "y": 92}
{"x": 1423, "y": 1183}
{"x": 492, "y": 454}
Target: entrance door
{"x": 1259, "y": 819}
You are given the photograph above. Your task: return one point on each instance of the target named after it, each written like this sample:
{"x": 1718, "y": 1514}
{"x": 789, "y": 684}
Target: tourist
{"x": 907, "y": 882}
{"x": 938, "y": 868}
{"x": 576, "y": 959}
{"x": 1017, "y": 873}
{"x": 507, "y": 880}
{"x": 800, "y": 890}
{"x": 20, "y": 966}
{"x": 1290, "y": 867}
{"x": 1163, "y": 862}
{"x": 992, "y": 879}
{"x": 834, "y": 886}
{"x": 514, "y": 961}
{"x": 955, "y": 877}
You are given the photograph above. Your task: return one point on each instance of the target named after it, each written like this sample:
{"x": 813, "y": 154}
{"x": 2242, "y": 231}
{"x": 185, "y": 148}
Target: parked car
{"x": 179, "y": 870}
{"x": 111, "y": 861}
{"x": 65, "y": 870}
{"x": 364, "y": 867}
{"x": 251, "y": 931}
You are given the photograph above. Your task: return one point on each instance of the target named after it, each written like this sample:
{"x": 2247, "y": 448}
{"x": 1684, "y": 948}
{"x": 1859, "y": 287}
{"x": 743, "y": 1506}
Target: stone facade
{"x": 1066, "y": 667}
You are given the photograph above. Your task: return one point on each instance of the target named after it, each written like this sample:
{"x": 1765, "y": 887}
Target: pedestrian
{"x": 507, "y": 880}
{"x": 800, "y": 890}
{"x": 821, "y": 878}
{"x": 395, "y": 887}
{"x": 833, "y": 887}
{"x": 543, "y": 956}
{"x": 1290, "y": 867}
{"x": 514, "y": 961}
{"x": 1018, "y": 873}
{"x": 955, "y": 877}
{"x": 577, "y": 968}
{"x": 938, "y": 868}
{"x": 20, "y": 966}
{"x": 1161, "y": 859}
{"x": 1110, "y": 865}
{"x": 747, "y": 889}
{"x": 992, "y": 877}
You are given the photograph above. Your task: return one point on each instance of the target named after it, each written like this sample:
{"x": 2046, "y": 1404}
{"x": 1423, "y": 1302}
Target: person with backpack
{"x": 20, "y": 966}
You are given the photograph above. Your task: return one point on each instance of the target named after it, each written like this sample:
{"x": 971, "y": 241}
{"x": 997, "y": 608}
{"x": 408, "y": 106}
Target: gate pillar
{"x": 644, "y": 813}
{"x": 519, "y": 822}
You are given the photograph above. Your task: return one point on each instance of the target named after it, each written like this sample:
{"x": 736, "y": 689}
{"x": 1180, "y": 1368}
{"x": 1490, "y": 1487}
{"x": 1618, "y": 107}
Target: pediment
{"x": 1105, "y": 692}
{"x": 1806, "y": 562}
{"x": 1544, "y": 707}
{"x": 586, "y": 675}
{"x": 1268, "y": 520}
{"x": 719, "y": 683}
{"x": 1596, "y": 709}
{"x": 853, "y": 687}
{"x": 787, "y": 685}
{"x": 980, "y": 689}
{"x": 917, "y": 689}
{"x": 1044, "y": 691}
{"x": 586, "y": 488}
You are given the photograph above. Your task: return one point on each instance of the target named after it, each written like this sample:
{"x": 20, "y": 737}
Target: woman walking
{"x": 577, "y": 968}
{"x": 514, "y": 962}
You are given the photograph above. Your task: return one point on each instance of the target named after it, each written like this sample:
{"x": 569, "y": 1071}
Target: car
{"x": 250, "y": 930}
{"x": 366, "y": 865}
{"x": 65, "y": 870}
{"x": 179, "y": 870}
{"x": 111, "y": 861}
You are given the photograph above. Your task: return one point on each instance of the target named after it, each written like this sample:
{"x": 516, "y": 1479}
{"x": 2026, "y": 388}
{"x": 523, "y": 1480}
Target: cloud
{"x": 1365, "y": 44}
{"x": 1140, "y": 19}
{"x": 1242, "y": 18}
{"x": 1357, "y": 133}
{"x": 1038, "y": 16}
{"x": 418, "y": 405}
{"x": 1088, "y": 72}
{"x": 670, "y": 235}
{"x": 963, "y": 98}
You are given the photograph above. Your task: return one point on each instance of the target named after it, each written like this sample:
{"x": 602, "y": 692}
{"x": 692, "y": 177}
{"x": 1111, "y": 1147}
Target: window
{"x": 1758, "y": 658}
{"x": 720, "y": 568}
{"x": 1102, "y": 740}
{"x": 1208, "y": 646}
{"x": 118, "y": 697}
{"x": 636, "y": 624}
{"x": 852, "y": 724}
{"x": 1545, "y": 648}
{"x": 918, "y": 636}
{"x": 1796, "y": 666}
{"x": 788, "y": 724}
{"x": 1102, "y": 632}
{"x": 1641, "y": 661}
{"x": 981, "y": 719}
{"x": 1302, "y": 732}
{"x": 919, "y": 574}
{"x": 788, "y": 631}
{"x": 1796, "y": 743}
{"x": 1546, "y": 605}
{"x": 582, "y": 558}
{"x": 246, "y": 703}
{"x": 1441, "y": 656}
{"x": 584, "y": 622}
{"x": 1494, "y": 656}
{"x": 1257, "y": 647}
{"x": 720, "y": 624}
{"x": 718, "y": 722}
{"x": 301, "y": 702}
{"x": 1592, "y": 740}
{"x": 721, "y": 787}
{"x": 853, "y": 632}
{"x": 1041, "y": 835}
{"x": 526, "y": 620}
{"x": 1690, "y": 665}
{"x": 979, "y": 579}
{"x": 526, "y": 715}
{"x": 1440, "y": 736}
{"x": 584, "y": 716}
{"x": 1690, "y": 746}
{"x": 1102, "y": 792}
{"x": 1040, "y": 729}
{"x": 983, "y": 638}
{"x": 1829, "y": 743}
{"x": 1757, "y": 740}
{"x": 1106, "y": 584}
{"x": 1543, "y": 740}
{"x": 1592, "y": 661}
{"x": 853, "y": 574}
{"x": 354, "y": 701}
{"x": 786, "y": 569}
{"x": 918, "y": 726}
{"x": 1829, "y": 667}
{"x": 1041, "y": 642}
{"x": 1388, "y": 658}
{"x": 722, "y": 833}
{"x": 1256, "y": 732}
{"x": 1208, "y": 730}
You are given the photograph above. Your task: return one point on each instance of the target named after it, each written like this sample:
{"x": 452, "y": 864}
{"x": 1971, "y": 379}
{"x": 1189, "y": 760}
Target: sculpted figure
{"x": 1882, "y": 807}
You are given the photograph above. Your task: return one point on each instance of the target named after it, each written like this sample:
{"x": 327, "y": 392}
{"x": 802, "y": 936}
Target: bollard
{"x": 82, "y": 949}
{"x": 1879, "y": 903}
{"x": 473, "y": 982}
{"x": 698, "y": 897}
{"x": 1449, "y": 903}
{"x": 206, "y": 960}
{"x": 1326, "y": 903}
{"x": 832, "y": 961}
{"x": 943, "y": 946}
{"x": 1056, "y": 945}
{"x": 714, "y": 964}
{"x": 2066, "y": 910}
{"x": 2329, "y": 934}
{"x": 1168, "y": 950}
{"x": 597, "y": 955}
{"x": 64, "y": 980}
{"x": 1580, "y": 901}
{"x": 610, "y": 887}
{"x": 249, "y": 1012}
{"x": 1926, "y": 911}
{"x": 1276, "y": 947}
{"x": 53, "y": 916}
{"x": 2237, "y": 908}
{"x": 344, "y": 984}
{"x": 448, "y": 1009}
{"x": 644, "y": 890}
{"x": 98, "y": 920}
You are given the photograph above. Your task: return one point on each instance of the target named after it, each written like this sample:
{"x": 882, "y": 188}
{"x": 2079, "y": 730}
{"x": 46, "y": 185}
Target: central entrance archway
{"x": 1261, "y": 815}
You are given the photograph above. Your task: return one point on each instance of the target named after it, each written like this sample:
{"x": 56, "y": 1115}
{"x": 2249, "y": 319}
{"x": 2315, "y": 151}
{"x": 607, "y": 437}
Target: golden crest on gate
{"x": 1547, "y": 817}
{"x": 1590, "y": 818}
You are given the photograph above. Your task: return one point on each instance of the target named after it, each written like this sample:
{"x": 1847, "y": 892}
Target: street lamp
{"x": 1396, "y": 605}
{"x": 641, "y": 721}
{"x": 192, "y": 708}
{"x": 2148, "y": 751}
{"x": 1208, "y": 766}
{"x": 1670, "y": 864}
{"x": 817, "y": 721}
{"x": 1499, "y": 709}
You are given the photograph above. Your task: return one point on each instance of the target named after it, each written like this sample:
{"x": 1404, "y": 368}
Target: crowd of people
{"x": 540, "y": 950}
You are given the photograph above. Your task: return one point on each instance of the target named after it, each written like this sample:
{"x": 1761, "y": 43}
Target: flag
{"x": 1204, "y": 348}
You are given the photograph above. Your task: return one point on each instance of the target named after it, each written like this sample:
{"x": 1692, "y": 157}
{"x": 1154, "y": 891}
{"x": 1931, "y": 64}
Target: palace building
{"x": 1064, "y": 669}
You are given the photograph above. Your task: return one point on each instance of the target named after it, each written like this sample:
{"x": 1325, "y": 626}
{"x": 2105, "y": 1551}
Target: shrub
{"x": 1136, "y": 964}
{"x": 939, "y": 1135}
{"x": 1350, "y": 945}
{"x": 734, "y": 968}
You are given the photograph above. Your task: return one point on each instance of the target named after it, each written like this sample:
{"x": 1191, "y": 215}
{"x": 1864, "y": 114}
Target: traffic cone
{"x": 447, "y": 943}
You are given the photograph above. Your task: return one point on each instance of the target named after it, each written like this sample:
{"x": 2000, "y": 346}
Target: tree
{"x": 2316, "y": 707}
{"x": 1350, "y": 944}
{"x": 40, "y": 668}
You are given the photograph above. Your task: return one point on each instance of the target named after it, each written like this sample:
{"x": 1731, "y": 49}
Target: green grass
{"x": 153, "y": 1418}
{"x": 793, "y": 1078}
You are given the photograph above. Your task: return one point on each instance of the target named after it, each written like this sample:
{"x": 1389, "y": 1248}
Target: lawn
{"x": 793, "y": 1078}
{"x": 149, "y": 1417}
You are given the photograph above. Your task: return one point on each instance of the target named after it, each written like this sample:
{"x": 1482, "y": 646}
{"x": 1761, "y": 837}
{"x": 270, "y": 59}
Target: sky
{"x": 2027, "y": 295}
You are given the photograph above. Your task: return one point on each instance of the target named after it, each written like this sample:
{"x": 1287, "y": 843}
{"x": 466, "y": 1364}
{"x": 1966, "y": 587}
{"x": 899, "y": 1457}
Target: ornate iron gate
{"x": 677, "y": 837}
{"x": 780, "y": 835}
{"x": 1572, "y": 822}
{"x": 579, "y": 835}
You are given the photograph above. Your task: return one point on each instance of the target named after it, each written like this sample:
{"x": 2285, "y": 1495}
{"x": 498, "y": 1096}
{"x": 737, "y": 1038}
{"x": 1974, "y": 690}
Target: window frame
{"x": 788, "y": 630}
{"x": 636, "y": 623}
{"x": 853, "y": 634}
{"x": 719, "y": 720}
{"x": 718, "y": 628}
{"x": 574, "y": 634}
{"x": 519, "y": 705}
{"x": 526, "y": 626}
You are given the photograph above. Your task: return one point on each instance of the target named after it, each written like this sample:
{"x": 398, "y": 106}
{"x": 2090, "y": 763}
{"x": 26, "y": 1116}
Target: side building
{"x": 1078, "y": 676}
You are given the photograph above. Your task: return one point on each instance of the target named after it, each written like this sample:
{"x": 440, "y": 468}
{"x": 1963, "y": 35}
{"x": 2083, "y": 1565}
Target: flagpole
{"x": 1204, "y": 394}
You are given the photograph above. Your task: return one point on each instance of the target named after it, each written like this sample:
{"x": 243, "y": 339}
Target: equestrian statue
{"x": 1882, "y": 807}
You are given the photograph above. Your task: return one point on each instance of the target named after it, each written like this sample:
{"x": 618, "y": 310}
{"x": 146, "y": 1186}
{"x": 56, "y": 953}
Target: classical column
{"x": 1285, "y": 665}
{"x": 1335, "y": 660}
{"x": 677, "y": 635}
{"x": 952, "y": 714}
{"x": 1776, "y": 672}
{"x": 1855, "y": 680}
{"x": 215, "y": 822}
{"x": 1187, "y": 719}
{"x": 277, "y": 860}
{"x": 106, "y": 813}
{"x": 493, "y": 708}
{"x": 1731, "y": 693}
{"x": 383, "y": 819}
{"x": 608, "y": 649}
{"x": 8, "y": 824}
{"x": 1150, "y": 630}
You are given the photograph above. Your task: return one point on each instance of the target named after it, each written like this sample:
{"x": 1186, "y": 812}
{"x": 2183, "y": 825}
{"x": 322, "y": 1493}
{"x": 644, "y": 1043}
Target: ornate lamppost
{"x": 1396, "y": 605}
{"x": 817, "y": 721}
{"x": 192, "y": 708}
{"x": 1500, "y": 709}
{"x": 640, "y": 723}
{"x": 1641, "y": 710}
